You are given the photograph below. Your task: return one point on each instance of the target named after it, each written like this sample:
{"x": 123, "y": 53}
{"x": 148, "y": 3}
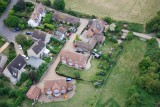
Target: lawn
{"x": 87, "y": 75}
{"x": 85, "y": 97}
{"x": 121, "y": 77}
{"x": 138, "y": 11}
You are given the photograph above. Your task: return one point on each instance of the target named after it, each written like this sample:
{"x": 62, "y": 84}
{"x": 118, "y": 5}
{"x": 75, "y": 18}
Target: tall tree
{"x": 59, "y": 4}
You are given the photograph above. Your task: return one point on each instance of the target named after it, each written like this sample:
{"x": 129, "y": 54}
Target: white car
{"x": 26, "y": 57}
{"x": 20, "y": 47}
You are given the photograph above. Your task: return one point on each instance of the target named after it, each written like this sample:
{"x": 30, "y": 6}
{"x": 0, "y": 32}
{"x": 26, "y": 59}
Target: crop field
{"x": 138, "y": 11}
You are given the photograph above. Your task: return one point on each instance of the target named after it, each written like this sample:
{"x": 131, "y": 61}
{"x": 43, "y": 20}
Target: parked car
{"x": 16, "y": 29}
{"x": 20, "y": 47}
{"x": 28, "y": 33}
{"x": 69, "y": 34}
{"x": 79, "y": 50}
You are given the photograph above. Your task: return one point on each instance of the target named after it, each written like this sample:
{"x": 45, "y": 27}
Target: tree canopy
{"x": 59, "y": 4}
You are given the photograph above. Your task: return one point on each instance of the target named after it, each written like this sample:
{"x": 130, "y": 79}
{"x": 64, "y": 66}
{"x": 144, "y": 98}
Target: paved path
{"x": 144, "y": 36}
{"x": 4, "y": 31}
{"x": 18, "y": 51}
{"x": 51, "y": 73}
{"x": 4, "y": 47}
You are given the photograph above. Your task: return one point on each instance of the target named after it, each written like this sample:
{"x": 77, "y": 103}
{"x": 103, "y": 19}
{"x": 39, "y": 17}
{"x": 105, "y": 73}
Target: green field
{"x": 120, "y": 80}
{"x": 139, "y": 11}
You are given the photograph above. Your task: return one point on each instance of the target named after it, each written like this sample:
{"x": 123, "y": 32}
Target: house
{"x": 60, "y": 33}
{"x": 34, "y": 92}
{"x": 3, "y": 61}
{"x": 88, "y": 46}
{"x": 36, "y": 17}
{"x": 73, "y": 59}
{"x": 35, "y": 62}
{"x": 57, "y": 87}
{"x": 15, "y": 68}
{"x": 37, "y": 49}
{"x": 95, "y": 27}
{"x": 65, "y": 18}
{"x": 37, "y": 34}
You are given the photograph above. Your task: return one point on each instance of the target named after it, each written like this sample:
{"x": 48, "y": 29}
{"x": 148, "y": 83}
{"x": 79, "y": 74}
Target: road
{"x": 51, "y": 73}
{"x": 4, "y": 31}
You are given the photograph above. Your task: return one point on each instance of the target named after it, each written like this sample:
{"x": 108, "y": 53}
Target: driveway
{"x": 4, "y": 31}
{"x": 51, "y": 73}
{"x": 18, "y": 51}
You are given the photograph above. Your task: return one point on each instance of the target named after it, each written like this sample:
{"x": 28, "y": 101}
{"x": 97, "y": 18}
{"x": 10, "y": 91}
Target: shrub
{"x": 108, "y": 20}
{"x": 47, "y": 18}
{"x": 130, "y": 36}
{"x": 114, "y": 39}
{"x": 47, "y": 2}
{"x": 158, "y": 35}
{"x": 77, "y": 74}
{"x": 49, "y": 26}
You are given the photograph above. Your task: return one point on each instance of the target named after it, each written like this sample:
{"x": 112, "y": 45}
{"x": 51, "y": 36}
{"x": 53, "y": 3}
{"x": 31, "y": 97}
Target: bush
{"x": 77, "y": 74}
{"x": 158, "y": 35}
{"x": 47, "y": 18}
{"x": 49, "y": 26}
{"x": 130, "y": 36}
{"x": 47, "y": 2}
{"x": 108, "y": 20}
{"x": 114, "y": 39}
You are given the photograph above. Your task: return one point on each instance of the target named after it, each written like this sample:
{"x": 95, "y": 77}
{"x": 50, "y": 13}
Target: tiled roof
{"x": 37, "y": 34}
{"x": 38, "y": 46}
{"x": 33, "y": 92}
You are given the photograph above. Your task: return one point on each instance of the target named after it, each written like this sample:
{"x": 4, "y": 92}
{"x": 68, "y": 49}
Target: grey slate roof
{"x": 37, "y": 34}
{"x": 38, "y": 46}
{"x": 16, "y": 65}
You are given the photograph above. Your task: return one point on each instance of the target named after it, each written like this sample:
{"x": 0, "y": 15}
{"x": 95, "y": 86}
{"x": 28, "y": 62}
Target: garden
{"x": 55, "y": 45}
{"x": 2, "y": 41}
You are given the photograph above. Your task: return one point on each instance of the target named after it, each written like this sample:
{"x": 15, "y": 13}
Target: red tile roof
{"x": 33, "y": 92}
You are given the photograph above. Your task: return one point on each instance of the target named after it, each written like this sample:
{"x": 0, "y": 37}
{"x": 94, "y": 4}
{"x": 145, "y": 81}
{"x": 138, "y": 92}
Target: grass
{"x": 87, "y": 75}
{"x": 2, "y": 41}
{"x": 85, "y": 97}
{"x": 138, "y": 11}
{"x": 122, "y": 75}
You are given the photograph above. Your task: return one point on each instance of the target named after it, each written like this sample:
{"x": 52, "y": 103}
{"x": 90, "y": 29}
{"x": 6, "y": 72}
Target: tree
{"x": 59, "y": 4}
{"x": 11, "y": 21}
{"x": 145, "y": 63}
{"x": 20, "y": 6}
{"x": 47, "y": 18}
{"x": 21, "y": 39}
{"x": 47, "y": 2}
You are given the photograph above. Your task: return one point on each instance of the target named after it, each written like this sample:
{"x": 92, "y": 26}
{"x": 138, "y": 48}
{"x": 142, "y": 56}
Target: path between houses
{"x": 4, "y": 47}
{"x": 51, "y": 74}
